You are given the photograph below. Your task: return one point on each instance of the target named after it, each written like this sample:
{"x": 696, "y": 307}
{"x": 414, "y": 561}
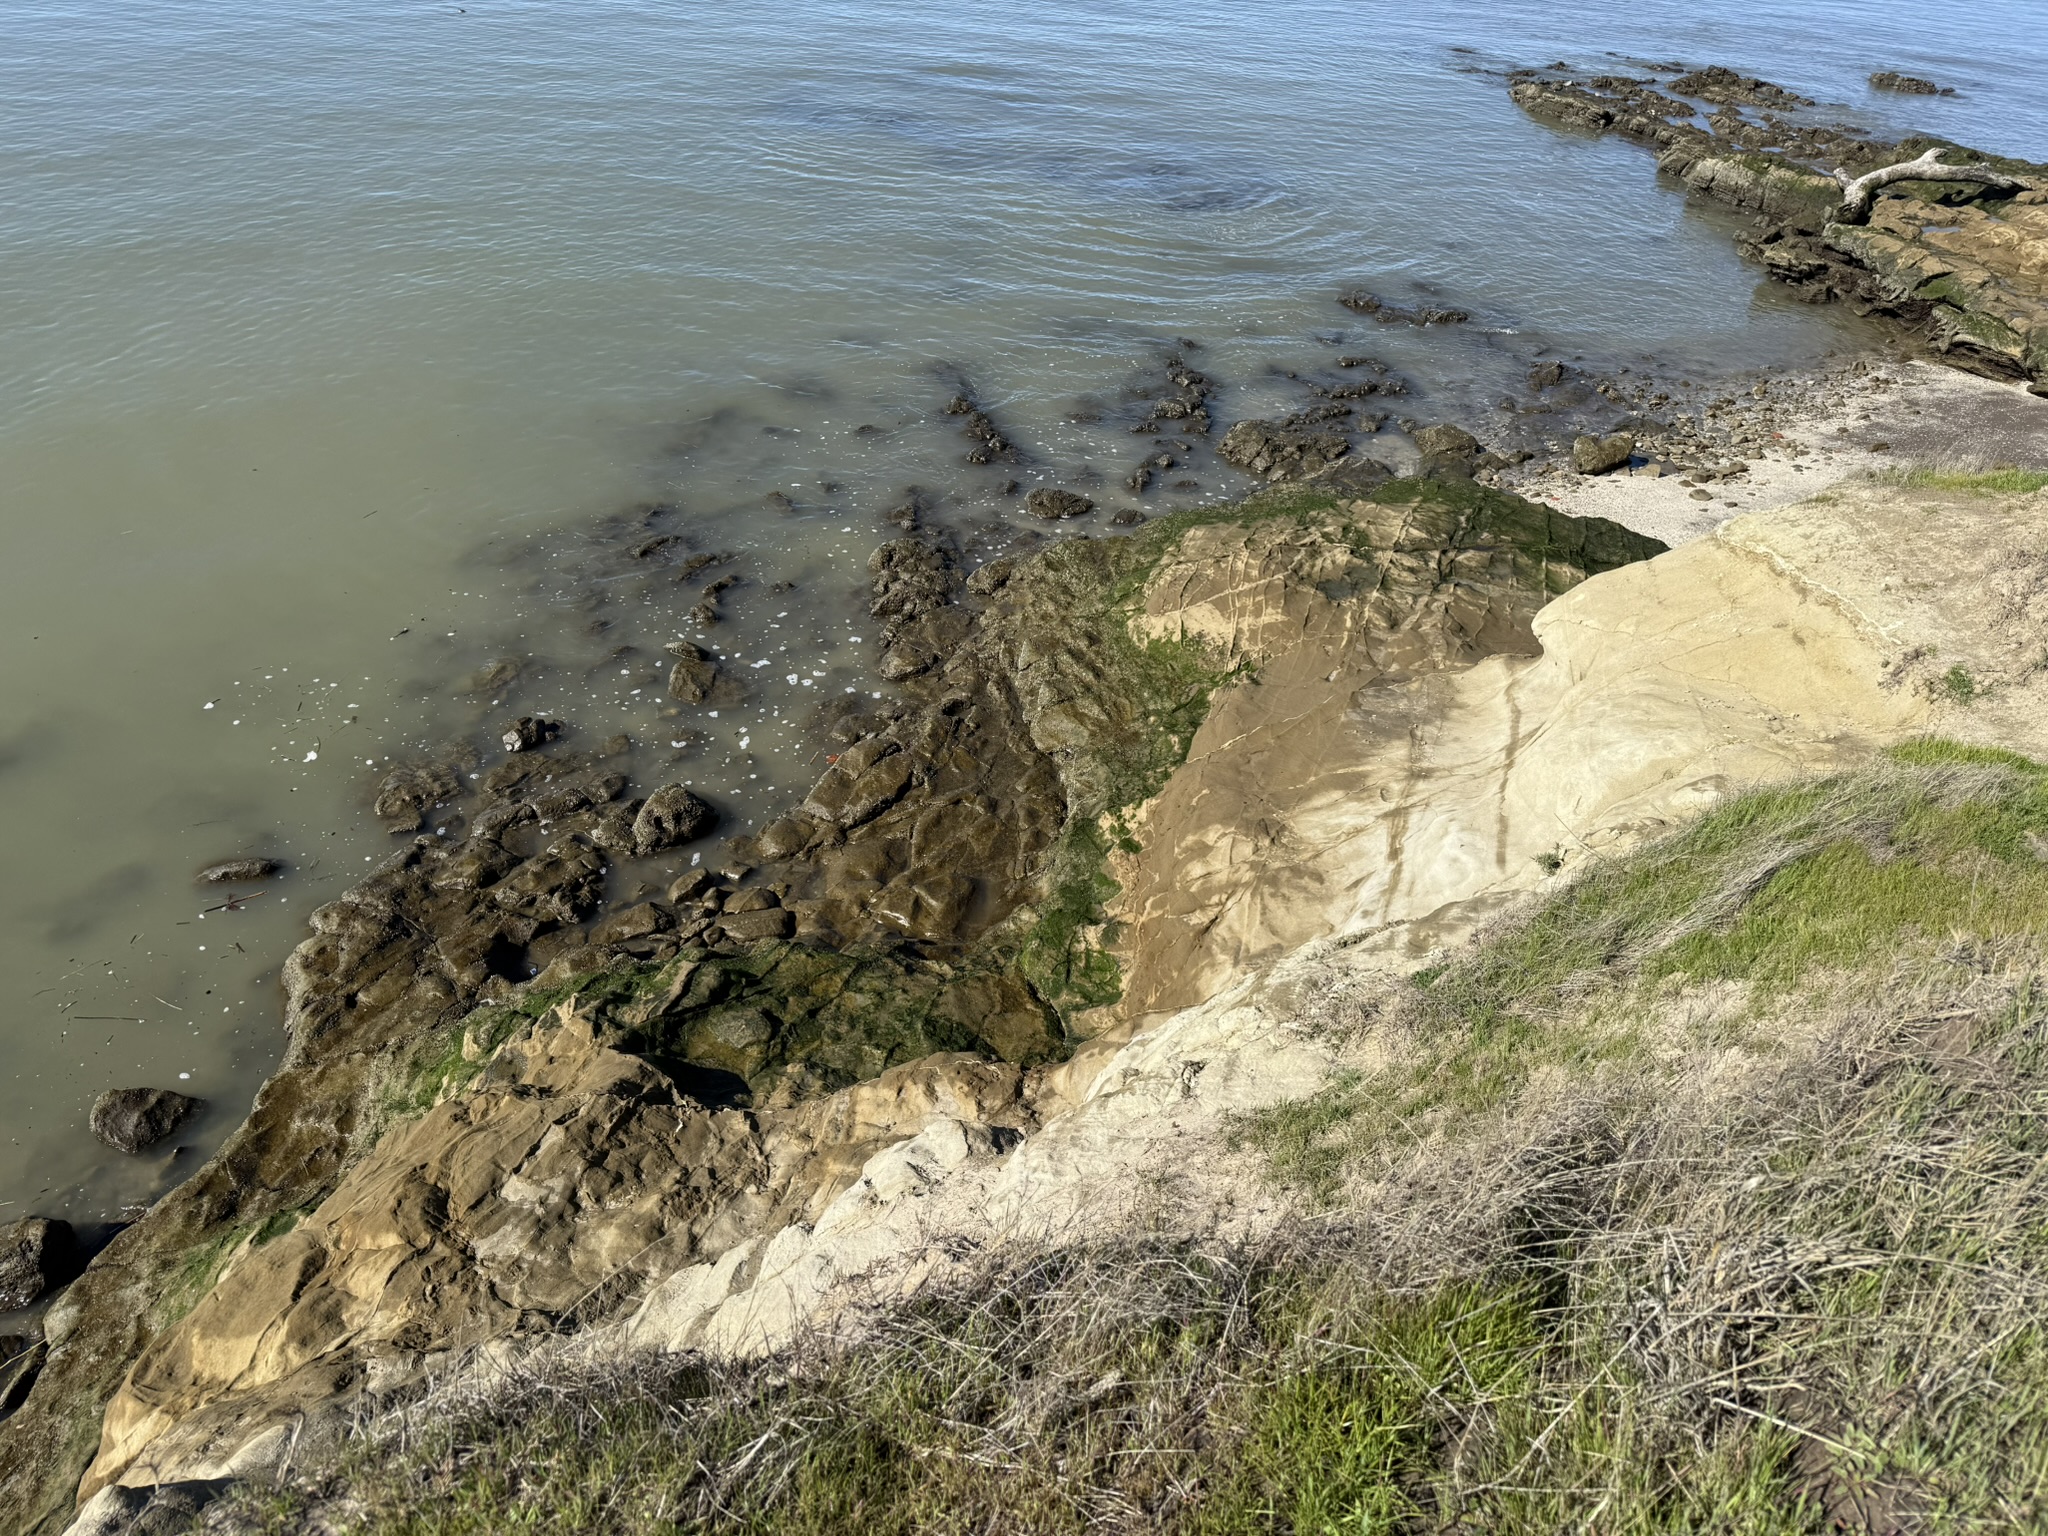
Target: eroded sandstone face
{"x": 567, "y": 1168}
{"x": 1344, "y": 616}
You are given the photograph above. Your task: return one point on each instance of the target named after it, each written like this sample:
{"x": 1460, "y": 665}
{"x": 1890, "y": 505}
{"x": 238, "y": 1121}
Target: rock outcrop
{"x": 1963, "y": 265}
{"x": 36, "y": 1255}
{"x": 568, "y": 1168}
{"x": 1358, "y": 787}
{"x": 1796, "y": 644}
{"x": 1414, "y": 737}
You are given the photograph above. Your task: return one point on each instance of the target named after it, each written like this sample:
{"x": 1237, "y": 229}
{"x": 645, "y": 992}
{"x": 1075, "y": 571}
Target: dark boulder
{"x": 671, "y": 815}
{"x": 36, "y": 1255}
{"x": 691, "y": 678}
{"x": 1276, "y": 451}
{"x": 1907, "y": 85}
{"x": 1454, "y": 442}
{"x": 132, "y": 1119}
{"x": 1053, "y": 504}
{"x": 1597, "y": 455}
{"x": 530, "y": 731}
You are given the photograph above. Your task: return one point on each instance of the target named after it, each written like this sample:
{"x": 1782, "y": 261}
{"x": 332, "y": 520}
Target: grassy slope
{"x": 1705, "y": 1196}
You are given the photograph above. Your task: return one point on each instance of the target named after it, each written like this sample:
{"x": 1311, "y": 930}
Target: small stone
{"x": 132, "y": 1119}
{"x": 36, "y": 1255}
{"x": 1650, "y": 471}
{"x": 690, "y": 679}
{"x": 1598, "y": 455}
{"x": 237, "y": 871}
{"x": 671, "y": 815}
{"x": 1701, "y": 495}
{"x": 1453, "y": 442}
{"x": 530, "y": 731}
{"x": 691, "y": 886}
{"x": 1053, "y": 504}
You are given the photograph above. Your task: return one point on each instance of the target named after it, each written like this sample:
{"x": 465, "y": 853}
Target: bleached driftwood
{"x": 1857, "y": 192}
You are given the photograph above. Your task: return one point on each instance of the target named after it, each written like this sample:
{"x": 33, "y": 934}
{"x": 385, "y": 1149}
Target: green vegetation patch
{"x": 1850, "y": 1256}
{"x": 1938, "y": 843}
{"x": 1991, "y": 482}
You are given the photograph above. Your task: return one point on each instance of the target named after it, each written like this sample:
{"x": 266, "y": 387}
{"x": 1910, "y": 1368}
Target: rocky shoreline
{"x": 941, "y": 890}
{"x": 538, "y": 1064}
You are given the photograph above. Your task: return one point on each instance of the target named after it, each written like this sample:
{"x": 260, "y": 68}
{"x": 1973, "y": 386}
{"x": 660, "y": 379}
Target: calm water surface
{"x": 333, "y": 338}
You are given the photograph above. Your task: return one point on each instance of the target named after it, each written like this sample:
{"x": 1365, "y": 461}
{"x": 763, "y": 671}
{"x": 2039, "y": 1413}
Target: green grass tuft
{"x": 1993, "y": 482}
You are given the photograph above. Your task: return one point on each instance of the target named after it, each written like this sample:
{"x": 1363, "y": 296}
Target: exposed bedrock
{"x": 1960, "y": 261}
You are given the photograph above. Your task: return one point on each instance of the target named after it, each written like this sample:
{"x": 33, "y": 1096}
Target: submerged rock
{"x": 408, "y": 793}
{"x": 36, "y": 1255}
{"x": 1724, "y": 87}
{"x": 530, "y": 731}
{"x": 1053, "y": 504}
{"x": 1907, "y": 85}
{"x": 238, "y": 871}
{"x": 1360, "y": 302}
{"x": 133, "y": 1119}
{"x": 1277, "y": 451}
{"x": 694, "y": 674}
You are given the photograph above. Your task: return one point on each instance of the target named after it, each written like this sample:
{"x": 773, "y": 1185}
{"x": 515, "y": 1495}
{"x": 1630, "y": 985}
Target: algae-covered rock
{"x": 1053, "y": 504}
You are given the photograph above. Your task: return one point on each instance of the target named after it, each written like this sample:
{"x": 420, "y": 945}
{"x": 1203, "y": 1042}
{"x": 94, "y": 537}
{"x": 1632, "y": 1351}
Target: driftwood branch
{"x": 1858, "y": 192}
